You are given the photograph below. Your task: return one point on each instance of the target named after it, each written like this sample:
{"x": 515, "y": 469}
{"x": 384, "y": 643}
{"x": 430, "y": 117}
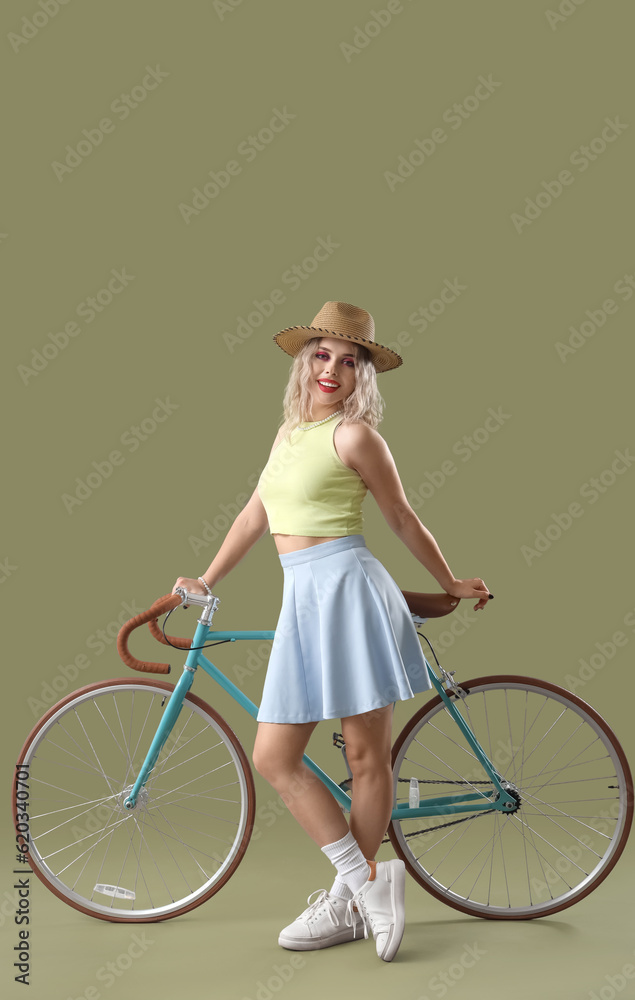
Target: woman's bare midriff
{"x": 292, "y": 543}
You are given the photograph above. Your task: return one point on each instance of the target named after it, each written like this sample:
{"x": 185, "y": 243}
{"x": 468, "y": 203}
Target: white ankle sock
{"x": 352, "y": 867}
{"x": 340, "y": 889}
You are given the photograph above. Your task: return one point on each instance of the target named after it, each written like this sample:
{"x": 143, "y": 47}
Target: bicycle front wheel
{"x": 572, "y": 783}
{"x": 193, "y": 819}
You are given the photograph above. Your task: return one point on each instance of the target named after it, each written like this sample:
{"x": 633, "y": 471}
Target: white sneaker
{"x": 322, "y": 924}
{"x": 380, "y": 902}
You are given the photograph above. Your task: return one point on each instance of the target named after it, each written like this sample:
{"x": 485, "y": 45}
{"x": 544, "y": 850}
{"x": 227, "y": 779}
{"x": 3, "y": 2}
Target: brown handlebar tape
{"x": 170, "y": 639}
{"x": 160, "y": 606}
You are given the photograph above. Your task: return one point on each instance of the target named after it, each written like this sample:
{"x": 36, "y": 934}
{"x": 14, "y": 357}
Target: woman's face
{"x": 333, "y": 371}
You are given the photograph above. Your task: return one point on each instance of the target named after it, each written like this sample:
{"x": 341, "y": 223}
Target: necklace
{"x": 318, "y": 422}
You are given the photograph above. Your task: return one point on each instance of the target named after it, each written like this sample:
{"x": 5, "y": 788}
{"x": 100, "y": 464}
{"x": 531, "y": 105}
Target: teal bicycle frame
{"x": 499, "y": 798}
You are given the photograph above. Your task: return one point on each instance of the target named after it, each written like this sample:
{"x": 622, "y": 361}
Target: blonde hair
{"x": 364, "y": 403}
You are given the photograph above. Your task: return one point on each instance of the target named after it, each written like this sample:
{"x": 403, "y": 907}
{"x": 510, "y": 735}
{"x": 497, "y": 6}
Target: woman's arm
{"x": 364, "y": 449}
{"x": 248, "y": 526}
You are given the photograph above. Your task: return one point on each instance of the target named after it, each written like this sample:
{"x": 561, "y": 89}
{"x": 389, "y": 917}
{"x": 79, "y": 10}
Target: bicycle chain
{"x": 441, "y": 826}
{"x": 453, "y": 822}
{"x": 444, "y": 781}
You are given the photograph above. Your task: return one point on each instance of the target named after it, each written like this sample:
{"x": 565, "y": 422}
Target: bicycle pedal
{"x": 338, "y": 741}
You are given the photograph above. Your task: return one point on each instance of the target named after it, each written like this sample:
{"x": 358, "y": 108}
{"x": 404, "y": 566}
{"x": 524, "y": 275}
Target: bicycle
{"x": 130, "y": 834}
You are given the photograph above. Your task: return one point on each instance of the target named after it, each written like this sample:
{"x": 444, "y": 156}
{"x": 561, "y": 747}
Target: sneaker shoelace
{"x": 357, "y": 905}
{"x": 323, "y": 898}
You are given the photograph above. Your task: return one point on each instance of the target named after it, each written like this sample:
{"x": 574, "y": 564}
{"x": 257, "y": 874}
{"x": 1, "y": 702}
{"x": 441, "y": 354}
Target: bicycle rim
{"x": 193, "y": 818}
{"x": 575, "y": 799}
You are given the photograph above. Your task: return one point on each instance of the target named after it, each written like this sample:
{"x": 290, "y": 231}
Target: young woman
{"x": 345, "y": 644}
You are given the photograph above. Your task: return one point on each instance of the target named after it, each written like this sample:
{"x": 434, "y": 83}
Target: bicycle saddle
{"x": 430, "y": 605}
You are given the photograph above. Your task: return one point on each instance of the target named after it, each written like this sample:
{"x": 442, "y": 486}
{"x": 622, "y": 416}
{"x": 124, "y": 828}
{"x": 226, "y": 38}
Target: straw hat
{"x": 340, "y": 319}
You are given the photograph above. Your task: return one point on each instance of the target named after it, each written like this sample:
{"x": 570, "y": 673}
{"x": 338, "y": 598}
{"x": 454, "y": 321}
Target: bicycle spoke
{"x": 167, "y": 847}
{"x": 559, "y": 770}
{"x": 451, "y": 848}
{"x": 90, "y": 854}
{"x": 457, "y": 772}
{"x": 568, "y": 815}
{"x": 167, "y": 753}
{"x": 562, "y": 745}
{"x": 182, "y": 763}
{"x": 203, "y": 833}
{"x": 544, "y": 736}
{"x": 528, "y": 829}
{"x": 179, "y": 745}
{"x": 551, "y": 819}
{"x": 102, "y": 772}
{"x": 494, "y": 841}
{"x": 51, "y": 812}
{"x": 70, "y": 819}
{"x": 82, "y": 760}
{"x": 573, "y": 781}
{"x": 160, "y": 812}
{"x": 463, "y": 747}
{"x": 38, "y": 781}
{"x": 196, "y": 861}
{"x": 188, "y": 828}
{"x": 544, "y": 785}
{"x": 424, "y": 767}
{"x": 560, "y": 765}
{"x": 142, "y": 733}
{"x": 528, "y": 731}
{"x": 108, "y": 727}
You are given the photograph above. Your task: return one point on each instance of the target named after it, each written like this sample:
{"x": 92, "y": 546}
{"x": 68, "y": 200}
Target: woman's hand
{"x": 192, "y": 586}
{"x": 470, "y": 588}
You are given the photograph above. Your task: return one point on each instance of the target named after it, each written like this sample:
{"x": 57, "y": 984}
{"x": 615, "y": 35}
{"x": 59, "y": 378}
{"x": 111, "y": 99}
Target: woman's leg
{"x": 277, "y": 756}
{"x": 368, "y": 739}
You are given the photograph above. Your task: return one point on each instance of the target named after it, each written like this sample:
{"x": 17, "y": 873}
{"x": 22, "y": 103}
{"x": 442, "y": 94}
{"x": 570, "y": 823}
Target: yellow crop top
{"x": 306, "y": 489}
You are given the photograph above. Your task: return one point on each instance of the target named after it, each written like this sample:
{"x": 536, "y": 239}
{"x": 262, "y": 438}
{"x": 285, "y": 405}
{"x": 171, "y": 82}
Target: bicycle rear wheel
{"x": 193, "y": 819}
{"x": 575, "y": 799}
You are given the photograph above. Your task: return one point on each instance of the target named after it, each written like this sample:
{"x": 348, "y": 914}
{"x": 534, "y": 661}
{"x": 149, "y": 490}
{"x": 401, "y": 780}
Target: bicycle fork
{"x": 171, "y": 713}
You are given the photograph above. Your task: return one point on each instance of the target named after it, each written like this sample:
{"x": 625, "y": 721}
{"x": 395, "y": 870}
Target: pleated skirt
{"x": 345, "y": 642}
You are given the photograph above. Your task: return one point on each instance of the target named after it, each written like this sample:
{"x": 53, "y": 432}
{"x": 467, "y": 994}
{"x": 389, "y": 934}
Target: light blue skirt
{"x": 345, "y": 642}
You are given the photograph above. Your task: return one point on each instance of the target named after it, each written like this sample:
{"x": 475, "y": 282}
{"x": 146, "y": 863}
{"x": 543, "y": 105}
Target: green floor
{"x": 228, "y": 948}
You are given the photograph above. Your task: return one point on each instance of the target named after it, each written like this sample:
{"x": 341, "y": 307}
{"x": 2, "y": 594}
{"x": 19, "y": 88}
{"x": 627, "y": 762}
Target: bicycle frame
{"x": 499, "y": 798}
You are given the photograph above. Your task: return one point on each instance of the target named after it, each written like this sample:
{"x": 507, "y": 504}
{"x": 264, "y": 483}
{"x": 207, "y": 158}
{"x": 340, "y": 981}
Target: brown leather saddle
{"x": 430, "y": 605}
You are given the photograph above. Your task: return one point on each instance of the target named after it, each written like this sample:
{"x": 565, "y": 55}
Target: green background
{"x": 66, "y": 573}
